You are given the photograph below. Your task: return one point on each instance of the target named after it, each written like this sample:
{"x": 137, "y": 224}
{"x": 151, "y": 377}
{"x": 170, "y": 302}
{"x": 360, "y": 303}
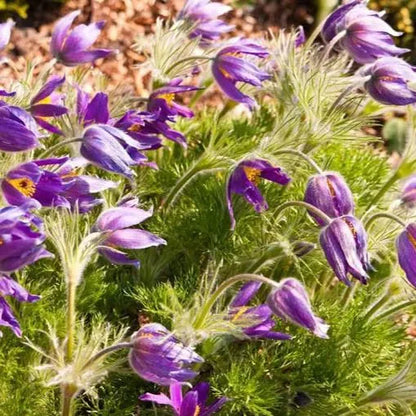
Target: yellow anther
{"x": 167, "y": 97}
{"x": 253, "y": 174}
{"x": 240, "y": 312}
{"x": 24, "y": 185}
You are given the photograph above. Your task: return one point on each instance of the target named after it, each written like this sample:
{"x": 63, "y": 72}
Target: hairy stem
{"x": 70, "y": 317}
{"x": 377, "y": 306}
{"x": 301, "y": 155}
{"x": 309, "y": 207}
{"x": 384, "y": 215}
{"x": 393, "y": 179}
{"x": 188, "y": 58}
{"x": 395, "y": 309}
{"x": 223, "y": 287}
{"x": 331, "y": 44}
{"x": 107, "y": 350}
{"x": 68, "y": 394}
{"x": 57, "y": 146}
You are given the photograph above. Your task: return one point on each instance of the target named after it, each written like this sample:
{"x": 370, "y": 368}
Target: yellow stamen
{"x": 167, "y": 97}
{"x": 387, "y": 78}
{"x": 253, "y": 174}
{"x": 24, "y": 185}
{"x": 71, "y": 174}
{"x": 331, "y": 188}
{"x": 241, "y": 311}
{"x": 351, "y": 226}
{"x": 1, "y": 241}
{"x": 197, "y": 411}
{"x": 135, "y": 127}
{"x": 146, "y": 335}
{"x": 411, "y": 239}
{"x": 46, "y": 100}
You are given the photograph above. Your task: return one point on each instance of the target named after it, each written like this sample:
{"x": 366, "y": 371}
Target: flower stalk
{"x": 309, "y": 207}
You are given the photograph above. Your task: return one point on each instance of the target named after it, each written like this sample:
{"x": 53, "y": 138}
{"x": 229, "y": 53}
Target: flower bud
{"x": 406, "y": 252}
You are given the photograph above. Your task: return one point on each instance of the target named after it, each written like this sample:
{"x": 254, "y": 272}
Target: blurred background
{"x": 126, "y": 19}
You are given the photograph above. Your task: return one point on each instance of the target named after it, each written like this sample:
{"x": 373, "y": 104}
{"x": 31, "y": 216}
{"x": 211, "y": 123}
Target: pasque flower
{"x": 18, "y": 130}
{"x": 115, "y": 224}
{"x": 244, "y": 180}
{"x": 260, "y": 317}
{"x": 363, "y": 33}
{"x": 389, "y": 81}
{"x": 9, "y": 287}
{"x": 72, "y": 48}
{"x": 203, "y": 14}
{"x": 344, "y": 242}
{"x": 229, "y": 67}
{"x": 329, "y": 192}
{"x": 46, "y": 104}
{"x": 53, "y": 183}
{"x": 193, "y": 403}
{"x": 21, "y": 238}
{"x": 159, "y": 357}
{"x": 162, "y": 103}
{"x": 406, "y": 252}
{"x": 291, "y": 302}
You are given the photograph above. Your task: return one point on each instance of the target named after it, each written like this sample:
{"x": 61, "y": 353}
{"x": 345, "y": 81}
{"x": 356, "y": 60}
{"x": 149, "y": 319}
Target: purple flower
{"x": 229, "y": 67}
{"x": 260, "y": 316}
{"x": 300, "y": 37}
{"x": 244, "y": 181}
{"x": 111, "y": 149}
{"x": 115, "y": 223}
{"x": 388, "y": 81}
{"x": 408, "y": 196}
{"x": 9, "y": 287}
{"x": 46, "y": 104}
{"x": 21, "y": 239}
{"x": 366, "y": 36}
{"x": 94, "y": 111}
{"x": 71, "y": 49}
{"x": 329, "y": 192}
{"x": 162, "y": 104}
{"x": 5, "y": 32}
{"x": 344, "y": 242}
{"x": 193, "y": 403}
{"x": 18, "y": 130}
{"x": 57, "y": 186}
{"x": 406, "y": 252}
{"x": 159, "y": 357}
{"x": 291, "y": 302}
{"x": 203, "y": 14}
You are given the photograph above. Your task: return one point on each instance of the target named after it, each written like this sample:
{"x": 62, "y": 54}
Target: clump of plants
{"x": 256, "y": 259}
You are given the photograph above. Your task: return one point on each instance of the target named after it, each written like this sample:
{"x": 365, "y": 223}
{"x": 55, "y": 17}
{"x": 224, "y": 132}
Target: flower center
{"x": 411, "y": 239}
{"x": 197, "y": 411}
{"x": 387, "y": 78}
{"x": 241, "y": 311}
{"x": 24, "y": 185}
{"x": 135, "y": 126}
{"x": 167, "y": 97}
{"x": 253, "y": 174}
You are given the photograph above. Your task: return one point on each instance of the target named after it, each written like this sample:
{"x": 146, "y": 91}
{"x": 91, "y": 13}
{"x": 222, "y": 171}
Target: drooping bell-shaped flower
{"x": 330, "y": 193}
{"x": 366, "y": 36}
{"x": 47, "y": 104}
{"x": 18, "y": 130}
{"x": 344, "y": 242}
{"x": 159, "y": 357}
{"x": 408, "y": 195}
{"x": 291, "y": 302}
{"x": 244, "y": 181}
{"x": 193, "y": 403}
{"x": 21, "y": 238}
{"x": 115, "y": 224}
{"x": 203, "y": 15}
{"x": 9, "y": 287}
{"x": 230, "y": 67}
{"x": 390, "y": 81}
{"x": 260, "y": 317}
{"x": 406, "y": 252}
{"x": 71, "y": 48}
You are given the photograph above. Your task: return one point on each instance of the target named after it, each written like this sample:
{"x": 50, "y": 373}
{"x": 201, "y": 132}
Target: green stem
{"x": 68, "y": 394}
{"x": 309, "y": 207}
{"x": 396, "y": 308}
{"x": 201, "y": 317}
{"x": 383, "y": 190}
{"x": 301, "y": 155}
{"x": 70, "y": 318}
{"x": 57, "y": 146}
{"x": 188, "y": 58}
{"x": 107, "y": 351}
{"x": 348, "y": 295}
{"x": 377, "y": 306}
{"x": 384, "y": 215}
